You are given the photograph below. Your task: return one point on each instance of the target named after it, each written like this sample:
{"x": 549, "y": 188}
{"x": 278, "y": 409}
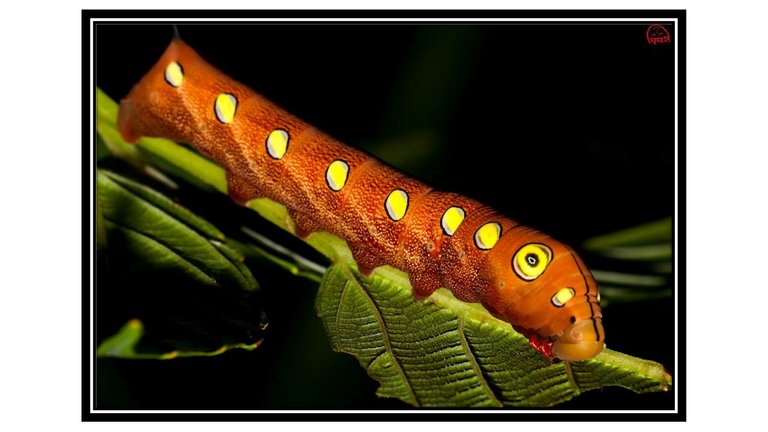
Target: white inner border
{"x": 510, "y": 411}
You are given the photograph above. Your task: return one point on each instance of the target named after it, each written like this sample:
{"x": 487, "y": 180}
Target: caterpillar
{"x": 440, "y": 239}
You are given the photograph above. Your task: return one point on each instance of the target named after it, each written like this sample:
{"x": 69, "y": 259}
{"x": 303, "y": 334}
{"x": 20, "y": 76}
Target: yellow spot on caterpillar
{"x": 277, "y": 143}
{"x": 487, "y": 235}
{"x": 174, "y": 75}
{"x": 452, "y": 218}
{"x": 563, "y": 296}
{"x": 336, "y": 175}
{"x": 396, "y": 204}
{"x": 225, "y": 107}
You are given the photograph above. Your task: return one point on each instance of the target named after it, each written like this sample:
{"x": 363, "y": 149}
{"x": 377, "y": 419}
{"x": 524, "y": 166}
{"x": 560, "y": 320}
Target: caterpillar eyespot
{"x": 518, "y": 274}
{"x": 531, "y": 260}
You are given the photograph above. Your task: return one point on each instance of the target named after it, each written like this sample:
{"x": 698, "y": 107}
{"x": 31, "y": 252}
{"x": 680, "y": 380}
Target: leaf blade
{"x": 190, "y": 292}
{"x": 123, "y": 345}
{"x": 131, "y": 205}
{"x": 431, "y": 355}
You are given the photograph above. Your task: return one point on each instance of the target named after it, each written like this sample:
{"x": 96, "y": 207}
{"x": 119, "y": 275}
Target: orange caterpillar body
{"x": 440, "y": 239}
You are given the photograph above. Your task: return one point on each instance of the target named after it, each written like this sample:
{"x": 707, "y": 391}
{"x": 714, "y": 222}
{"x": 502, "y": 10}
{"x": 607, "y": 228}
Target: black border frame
{"x": 88, "y": 270}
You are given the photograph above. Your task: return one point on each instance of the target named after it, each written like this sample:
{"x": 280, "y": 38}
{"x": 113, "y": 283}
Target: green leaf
{"x": 446, "y": 353}
{"x": 155, "y": 254}
{"x": 267, "y": 250}
{"x": 644, "y": 252}
{"x": 190, "y": 292}
{"x": 187, "y": 241}
{"x": 123, "y": 344}
{"x": 647, "y": 242}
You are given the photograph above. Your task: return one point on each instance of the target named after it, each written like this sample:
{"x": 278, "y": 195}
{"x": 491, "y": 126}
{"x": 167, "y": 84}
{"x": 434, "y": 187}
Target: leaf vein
{"x": 571, "y": 378}
{"x": 387, "y": 342}
{"x": 166, "y": 247}
{"x": 475, "y": 365}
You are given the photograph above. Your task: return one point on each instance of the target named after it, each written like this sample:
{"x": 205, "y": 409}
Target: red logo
{"x": 657, "y": 34}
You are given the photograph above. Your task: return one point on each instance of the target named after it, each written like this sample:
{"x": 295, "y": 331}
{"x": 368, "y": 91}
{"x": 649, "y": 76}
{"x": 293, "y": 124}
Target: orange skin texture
{"x": 415, "y": 244}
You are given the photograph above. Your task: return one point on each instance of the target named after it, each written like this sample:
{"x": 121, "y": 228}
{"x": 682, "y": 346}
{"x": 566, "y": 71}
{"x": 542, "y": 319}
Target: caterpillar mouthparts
{"x": 582, "y": 340}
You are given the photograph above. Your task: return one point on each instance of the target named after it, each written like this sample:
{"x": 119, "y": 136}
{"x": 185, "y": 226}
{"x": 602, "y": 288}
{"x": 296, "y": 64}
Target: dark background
{"x": 568, "y": 128}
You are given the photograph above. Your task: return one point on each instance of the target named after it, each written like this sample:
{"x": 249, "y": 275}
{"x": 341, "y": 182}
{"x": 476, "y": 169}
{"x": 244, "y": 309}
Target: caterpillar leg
{"x": 239, "y": 190}
{"x": 366, "y": 261}
{"x": 542, "y": 346}
{"x": 303, "y": 225}
{"x": 423, "y": 284}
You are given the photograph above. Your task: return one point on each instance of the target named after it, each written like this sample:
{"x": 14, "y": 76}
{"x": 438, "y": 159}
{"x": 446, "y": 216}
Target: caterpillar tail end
{"x": 582, "y": 340}
{"x": 125, "y": 122}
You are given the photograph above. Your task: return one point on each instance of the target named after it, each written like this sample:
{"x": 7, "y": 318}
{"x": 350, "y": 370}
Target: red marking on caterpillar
{"x": 542, "y": 346}
{"x": 520, "y": 275}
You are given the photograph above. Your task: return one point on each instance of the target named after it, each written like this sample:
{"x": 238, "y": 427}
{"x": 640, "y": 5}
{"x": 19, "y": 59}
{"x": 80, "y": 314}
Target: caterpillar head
{"x": 543, "y": 286}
